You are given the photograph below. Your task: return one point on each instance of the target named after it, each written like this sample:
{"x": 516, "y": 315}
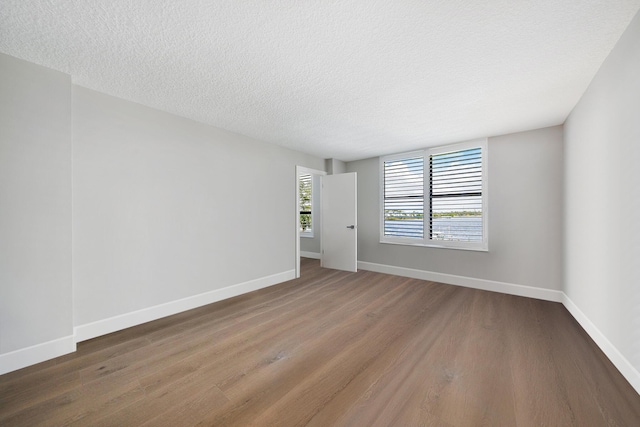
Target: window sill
{"x": 436, "y": 246}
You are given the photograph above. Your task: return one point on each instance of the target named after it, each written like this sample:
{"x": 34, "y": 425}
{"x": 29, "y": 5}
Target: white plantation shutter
{"x": 456, "y": 195}
{"x": 435, "y": 197}
{"x": 404, "y": 197}
{"x": 305, "y": 200}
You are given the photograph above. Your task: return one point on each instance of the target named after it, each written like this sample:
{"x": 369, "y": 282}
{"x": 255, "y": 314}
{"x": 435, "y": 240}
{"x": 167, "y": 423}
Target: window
{"x": 305, "y": 199}
{"x": 435, "y": 197}
{"x": 404, "y": 197}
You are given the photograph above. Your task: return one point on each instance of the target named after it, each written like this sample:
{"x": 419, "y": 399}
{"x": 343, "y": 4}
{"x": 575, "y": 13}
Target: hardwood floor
{"x": 335, "y": 349}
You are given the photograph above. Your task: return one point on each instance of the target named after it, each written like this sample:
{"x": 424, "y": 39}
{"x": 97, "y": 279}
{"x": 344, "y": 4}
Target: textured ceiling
{"x": 338, "y": 79}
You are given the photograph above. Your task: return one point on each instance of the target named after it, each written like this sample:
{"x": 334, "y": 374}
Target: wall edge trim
{"x": 306, "y": 254}
{"x": 628, "y": 371}
{"x": 134, "y": 318}
{"x": 23, "y": 357}
{"x": 469, "y": 282}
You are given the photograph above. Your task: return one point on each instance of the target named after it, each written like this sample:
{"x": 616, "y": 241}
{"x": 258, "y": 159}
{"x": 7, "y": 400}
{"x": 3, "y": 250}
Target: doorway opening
{"x": 308, "y": 212}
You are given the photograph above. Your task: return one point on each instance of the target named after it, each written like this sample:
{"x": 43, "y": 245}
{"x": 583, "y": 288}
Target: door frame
{"x": 303, "y": 170}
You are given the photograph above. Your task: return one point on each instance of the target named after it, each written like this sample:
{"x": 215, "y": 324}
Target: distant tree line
{"x": 400, "y": 215}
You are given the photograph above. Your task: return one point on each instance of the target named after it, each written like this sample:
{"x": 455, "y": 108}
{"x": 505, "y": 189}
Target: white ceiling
{"x": 337, "y": 79}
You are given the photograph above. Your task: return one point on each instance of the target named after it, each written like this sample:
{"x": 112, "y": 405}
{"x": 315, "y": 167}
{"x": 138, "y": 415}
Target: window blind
{"x": 305, "y": 199}
{"x": 404, "y": 197}
{"x": 456, "y": 196}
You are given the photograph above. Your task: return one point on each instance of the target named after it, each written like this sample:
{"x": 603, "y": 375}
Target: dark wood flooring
{"x": 335, "y": 349}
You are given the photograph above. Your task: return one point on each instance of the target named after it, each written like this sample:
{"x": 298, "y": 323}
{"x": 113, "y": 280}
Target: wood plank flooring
{"x": 335, "y": 349}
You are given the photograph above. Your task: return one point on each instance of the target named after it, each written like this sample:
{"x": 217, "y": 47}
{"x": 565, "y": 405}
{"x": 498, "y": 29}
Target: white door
{"x": 339, "y": 222}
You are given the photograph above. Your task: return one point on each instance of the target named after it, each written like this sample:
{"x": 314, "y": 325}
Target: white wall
{"x": 335, "y": 166}
{"x": 35, "y": 213}
{"x": 166, "y": 208}
{"x": 602, "y": 176}
{"x": 525, "y": 220}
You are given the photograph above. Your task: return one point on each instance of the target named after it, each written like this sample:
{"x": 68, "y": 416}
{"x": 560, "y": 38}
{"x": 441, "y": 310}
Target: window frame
{"x": 426, "y": 240}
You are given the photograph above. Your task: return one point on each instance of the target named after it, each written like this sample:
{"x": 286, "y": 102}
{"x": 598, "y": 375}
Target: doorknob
{"x": 351, "y": 226}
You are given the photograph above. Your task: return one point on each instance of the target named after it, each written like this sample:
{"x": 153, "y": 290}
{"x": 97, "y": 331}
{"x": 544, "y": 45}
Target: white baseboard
{"x": 469, "y": 282}
{"x": 24, "y": 357}
{"x": 116, "y": 323}
{"x": 619, "y": 361}
{"x": 314, "y": 255}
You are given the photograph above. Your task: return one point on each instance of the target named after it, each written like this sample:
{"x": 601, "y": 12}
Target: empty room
{"x": 356, "y": 213}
